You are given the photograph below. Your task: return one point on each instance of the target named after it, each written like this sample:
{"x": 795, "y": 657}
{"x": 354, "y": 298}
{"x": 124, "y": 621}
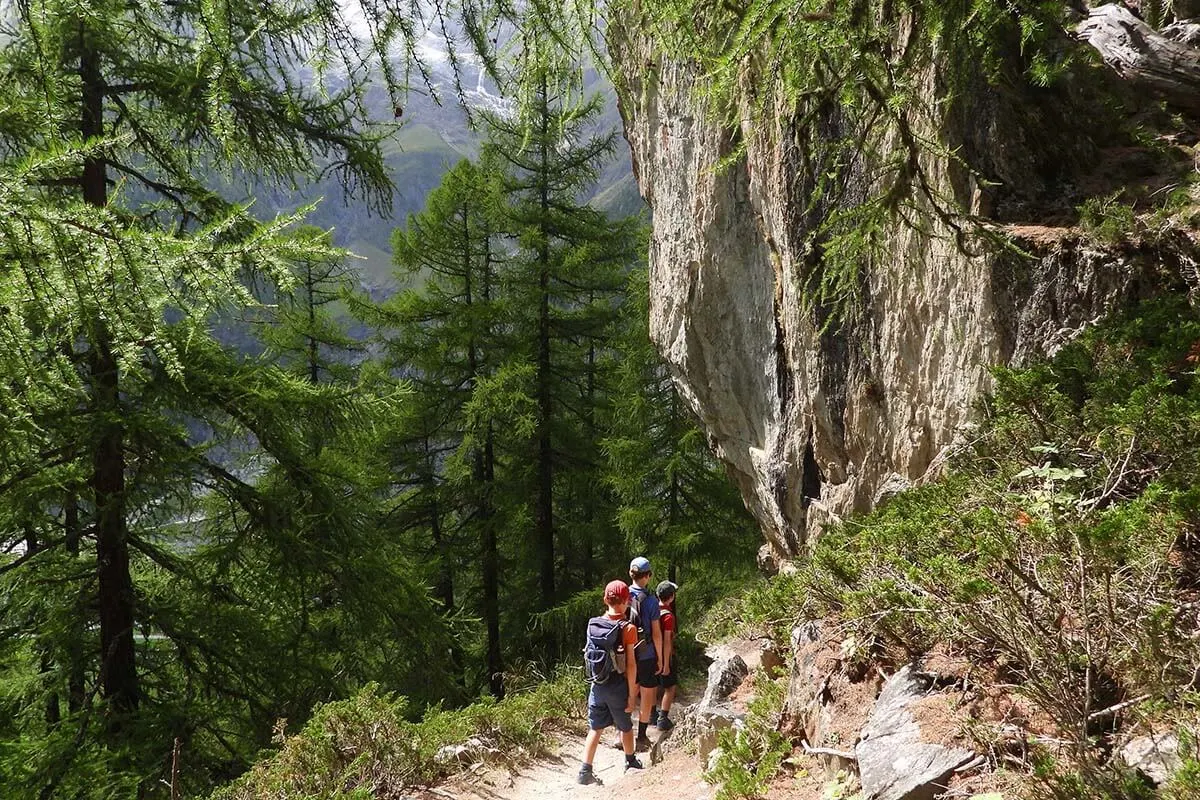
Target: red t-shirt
{"x": 667, "y": 620}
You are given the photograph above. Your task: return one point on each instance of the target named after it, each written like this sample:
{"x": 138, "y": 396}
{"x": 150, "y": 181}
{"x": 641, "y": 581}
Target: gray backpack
{"x": 604, "y": 652}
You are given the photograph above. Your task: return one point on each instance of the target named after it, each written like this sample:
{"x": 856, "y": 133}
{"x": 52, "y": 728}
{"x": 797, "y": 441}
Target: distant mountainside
{"x": 433, "y": 137}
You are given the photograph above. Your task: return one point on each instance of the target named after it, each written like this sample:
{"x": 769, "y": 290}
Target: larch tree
{"x": 117, "y": 258}
{"x": 444, "y": 338}
{"x": 563, "y": 281}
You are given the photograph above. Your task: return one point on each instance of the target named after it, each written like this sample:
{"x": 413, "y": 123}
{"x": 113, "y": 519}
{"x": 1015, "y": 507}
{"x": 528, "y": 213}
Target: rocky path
{"x": 676, "y": 776}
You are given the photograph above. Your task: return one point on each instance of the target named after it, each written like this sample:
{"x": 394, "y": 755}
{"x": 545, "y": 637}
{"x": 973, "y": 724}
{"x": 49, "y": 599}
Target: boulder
{"x": 725, "y": 675}
{"x": 824, "y": 706}
{"x": 1157, "y": 757}
{"x": 714, "y": 756}
{"x": 801, "y": 707}
{"x": 466, "y": 752}
{"x": 710, "y": 721}
{"x": 894, "y": 762}
{"x": 767, "y": 560}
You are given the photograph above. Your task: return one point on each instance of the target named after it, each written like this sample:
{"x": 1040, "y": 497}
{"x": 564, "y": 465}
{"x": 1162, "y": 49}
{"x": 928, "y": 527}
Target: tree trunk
{"x": 75, "y": 650}
{"x": 118, "y": 670}
{"x": 544, "y": 510}
{"x": 314, "y": 366}
{"x": 444, "y": 587}
{"x": 590, "y": 488}
{"x": 485, "y": 476}
{"x": 485, "y": 464}
{"x": 1145, "y": 58}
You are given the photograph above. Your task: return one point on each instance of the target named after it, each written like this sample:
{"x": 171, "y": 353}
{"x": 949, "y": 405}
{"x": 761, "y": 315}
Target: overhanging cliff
{"x": 817, "y": 417}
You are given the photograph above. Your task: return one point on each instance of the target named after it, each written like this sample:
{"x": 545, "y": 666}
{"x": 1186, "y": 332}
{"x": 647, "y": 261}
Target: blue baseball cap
{"x": 640, "y": 566}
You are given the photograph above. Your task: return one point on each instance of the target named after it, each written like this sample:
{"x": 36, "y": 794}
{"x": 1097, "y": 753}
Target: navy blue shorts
{"x": 647, "y": 676}
{"x": 606, "y": 706}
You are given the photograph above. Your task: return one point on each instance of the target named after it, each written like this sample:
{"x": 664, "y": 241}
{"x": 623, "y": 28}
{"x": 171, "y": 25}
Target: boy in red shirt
{"x": 611, "y": 702}
{"x": 669, "y": 679}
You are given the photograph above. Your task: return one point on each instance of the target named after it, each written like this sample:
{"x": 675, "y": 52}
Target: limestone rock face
{"x": 816, "y": 421}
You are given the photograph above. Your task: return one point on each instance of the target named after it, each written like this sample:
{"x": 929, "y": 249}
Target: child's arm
{"x": 668, "y": 650}
{"x": 656, "y": 633}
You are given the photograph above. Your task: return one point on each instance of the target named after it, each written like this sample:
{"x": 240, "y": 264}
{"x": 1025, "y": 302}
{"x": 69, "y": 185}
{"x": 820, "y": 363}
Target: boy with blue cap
{"x": 644, "y": 612}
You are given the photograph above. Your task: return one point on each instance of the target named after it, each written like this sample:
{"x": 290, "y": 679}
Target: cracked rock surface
{"x": 815, "y": 419}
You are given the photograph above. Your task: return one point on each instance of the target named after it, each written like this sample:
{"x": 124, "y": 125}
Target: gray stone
{"x": 725, "y": 675}
{"x": 466, "y": 752}
{"x": 771, "y": 659}
{"x": 893, "y": 762}
{"x": 1156, "y": 757}
{"x": 767, "y": 560}
{"x": 714, "y": 755}
{"x": 710, "y": 721}
{"x": 802, "y": 705}
{"x": 1187, "y": 32}
{"x": 892, "y": 485}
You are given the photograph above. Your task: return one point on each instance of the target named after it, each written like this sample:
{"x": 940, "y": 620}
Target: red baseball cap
{"x": 616, "y": 592}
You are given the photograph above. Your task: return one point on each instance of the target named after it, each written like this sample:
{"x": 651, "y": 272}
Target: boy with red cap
{"x": 611, "y": 698}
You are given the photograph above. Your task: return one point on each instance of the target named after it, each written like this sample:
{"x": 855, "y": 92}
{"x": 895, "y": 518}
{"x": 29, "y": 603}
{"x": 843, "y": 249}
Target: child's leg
{"x": 627, "y": 741}
{"x": 647, "y": 704}
{"x": 589, "y": 745}
{"x": 668, "y": 699}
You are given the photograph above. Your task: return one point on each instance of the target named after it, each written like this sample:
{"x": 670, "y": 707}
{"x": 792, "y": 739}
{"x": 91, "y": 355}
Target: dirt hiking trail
{"x": 670, "y": 771}
{"x": 676, "y": 777}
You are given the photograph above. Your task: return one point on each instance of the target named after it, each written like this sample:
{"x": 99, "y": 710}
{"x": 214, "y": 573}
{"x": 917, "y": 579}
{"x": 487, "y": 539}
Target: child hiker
{"x": 669, "y": 678}
{"x": 610, "y": 643}
{"x": 645, "y": 615}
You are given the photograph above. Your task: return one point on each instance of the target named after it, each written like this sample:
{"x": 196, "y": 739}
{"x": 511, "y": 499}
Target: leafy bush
{"x": 365, "y": 748}
{"x": 1107, "y": 218}
{"x": 1062, "y": 547}
{"x": 752, "y": 754}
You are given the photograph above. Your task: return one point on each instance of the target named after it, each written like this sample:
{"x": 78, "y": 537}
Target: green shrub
{"x": 751, "y": 756}
{"x": 365, "y": 748}
{"x": 1057, "y": 546}
{"x": 1107, "y": 218}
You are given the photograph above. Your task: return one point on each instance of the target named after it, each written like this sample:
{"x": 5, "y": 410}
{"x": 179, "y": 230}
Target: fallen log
{"x": 1144, "y": 57}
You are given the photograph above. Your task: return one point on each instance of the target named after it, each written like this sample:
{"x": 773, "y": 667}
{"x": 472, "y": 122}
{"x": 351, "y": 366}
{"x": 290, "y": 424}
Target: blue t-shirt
{"x": 650, "y": 612}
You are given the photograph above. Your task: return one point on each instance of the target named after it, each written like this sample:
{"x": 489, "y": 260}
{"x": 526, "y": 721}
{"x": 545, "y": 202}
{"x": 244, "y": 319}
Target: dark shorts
{"x": 606, "y": 706}
{"x": 667, "y": 681}
{"x": 646, "y": 672}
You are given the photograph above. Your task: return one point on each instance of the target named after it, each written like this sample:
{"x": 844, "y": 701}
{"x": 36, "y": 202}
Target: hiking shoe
{"x": 632, "y": 763}
{"x": 665, "y": 723}
{"x": 642, "y": 744}
{"x": 586, "y": 776}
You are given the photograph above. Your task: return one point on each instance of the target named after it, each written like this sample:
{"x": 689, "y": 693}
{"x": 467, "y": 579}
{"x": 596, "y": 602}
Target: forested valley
{"x": 218, "y": 507}
{"x": 342, "y": 367}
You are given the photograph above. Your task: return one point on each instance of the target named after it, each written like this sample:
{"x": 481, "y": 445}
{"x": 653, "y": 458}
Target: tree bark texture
{"x": 1147, "y": 59}
{"x": 118, "y": 670}
{"x": 544, "y": 510}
